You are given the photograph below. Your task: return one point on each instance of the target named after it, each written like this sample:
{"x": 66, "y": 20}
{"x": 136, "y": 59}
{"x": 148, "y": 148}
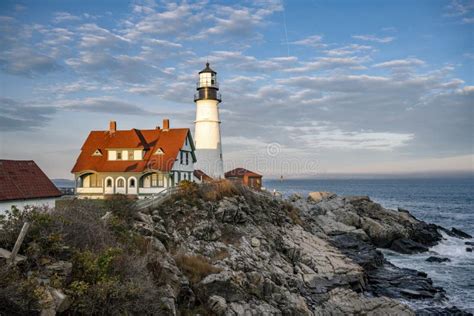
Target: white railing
{"x": 156, "y": 199}
{"x": 90, "y": 190}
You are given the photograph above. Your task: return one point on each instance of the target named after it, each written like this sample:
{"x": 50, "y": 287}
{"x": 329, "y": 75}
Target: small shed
{"x": 246, "y": 177}
{"x": 23, "y": 183}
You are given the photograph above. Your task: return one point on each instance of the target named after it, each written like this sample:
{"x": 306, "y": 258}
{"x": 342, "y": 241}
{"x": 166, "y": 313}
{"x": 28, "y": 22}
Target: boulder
{"x": 438, "y": 259}
{"x": 255, "y": 242}
{"x": 319, "y": 196}
{"x": 346, "y": 302}
{"x": 224, "y": 284}
{"x": 61, "y": 268}
{"x": 217, "y": 304}
{"x": 407, "y": 246}
{"x": 459, "y": 233}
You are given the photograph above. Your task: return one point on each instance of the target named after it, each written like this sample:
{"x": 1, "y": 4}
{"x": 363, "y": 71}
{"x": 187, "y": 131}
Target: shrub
{"x": 293, "y": 213}
{"x": 195, "y": 268}
{"x": 18, "y": 295}
{"x": 120, "y": 206}
{"x": 82, "y": 228}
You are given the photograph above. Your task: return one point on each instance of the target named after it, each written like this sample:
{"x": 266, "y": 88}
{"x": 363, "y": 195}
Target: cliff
{"x": 219, "y": 249}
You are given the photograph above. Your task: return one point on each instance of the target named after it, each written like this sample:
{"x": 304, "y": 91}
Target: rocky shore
{"x": 242, "y": 253}
{"x": 305, "y": 256}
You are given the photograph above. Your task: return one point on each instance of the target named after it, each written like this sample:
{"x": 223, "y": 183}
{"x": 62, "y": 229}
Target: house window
{"x": 132, "y": 183}
{"x": 109, "y": 183}
{"x": 119, "y": 155}
{"x": 94, "y": 181}
{"x": 130, "y": 155}
{"x": 187, "y": 158}
{"x": 181, "y": 157}
{"x": 157, "y": 180}
{"x": 120, "y": 183}
{"x": 186, "y": 142}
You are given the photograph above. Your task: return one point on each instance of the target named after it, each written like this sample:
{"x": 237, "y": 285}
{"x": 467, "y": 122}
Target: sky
{"x": 309, "y": 88}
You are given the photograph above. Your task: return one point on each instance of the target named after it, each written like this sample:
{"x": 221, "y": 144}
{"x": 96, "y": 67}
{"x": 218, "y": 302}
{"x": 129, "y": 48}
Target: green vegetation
{"x": 109, "y": 268}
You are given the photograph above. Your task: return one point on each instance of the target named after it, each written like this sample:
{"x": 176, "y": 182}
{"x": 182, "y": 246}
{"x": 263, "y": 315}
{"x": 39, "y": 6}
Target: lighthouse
{"x": 207, "y": 133}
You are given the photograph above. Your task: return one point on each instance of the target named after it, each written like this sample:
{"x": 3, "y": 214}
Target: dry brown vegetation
{"x": 211, "y": 191}
{"x": 219, "y": 255}
{"x": 195, "y": 268}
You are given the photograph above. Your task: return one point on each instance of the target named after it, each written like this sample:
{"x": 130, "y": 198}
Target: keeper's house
{"x": 137, "y": 163}
{"x": 23, "y": 183}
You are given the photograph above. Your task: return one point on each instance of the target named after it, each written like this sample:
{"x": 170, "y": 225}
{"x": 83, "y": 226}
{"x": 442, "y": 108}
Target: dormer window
{"x": 159, "y": 151}
{"x": 97, "y": 152}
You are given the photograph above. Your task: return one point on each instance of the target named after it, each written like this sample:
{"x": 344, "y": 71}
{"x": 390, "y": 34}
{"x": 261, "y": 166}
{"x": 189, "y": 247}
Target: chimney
{"x": 166, "y": 124}
{"x": 112, "y": 127}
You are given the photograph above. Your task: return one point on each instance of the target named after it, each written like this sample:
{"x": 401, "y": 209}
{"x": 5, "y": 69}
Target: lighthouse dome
{"x": 207, "y": 69}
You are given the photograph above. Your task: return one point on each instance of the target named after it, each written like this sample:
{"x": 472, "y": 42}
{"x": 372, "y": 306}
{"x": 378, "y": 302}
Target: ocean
{"x": 448, "y": 202}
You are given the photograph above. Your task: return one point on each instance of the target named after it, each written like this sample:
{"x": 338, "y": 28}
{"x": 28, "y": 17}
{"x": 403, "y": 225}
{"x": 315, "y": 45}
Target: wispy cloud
{"x": 373, "y": 38}
{"x": 22, "y": 116}
{"x": 409, "y": 62}
{"x": 311, "y": 41}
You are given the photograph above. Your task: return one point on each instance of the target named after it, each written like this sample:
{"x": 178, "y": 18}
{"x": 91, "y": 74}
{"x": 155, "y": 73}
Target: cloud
{"x": 468, "y": 20}
{"x": 60, "y": 17}
{"x": 459, "y": 8}
{"x": 311, "y": 41}
{"x": 25, "y": 61}
{"x": 94, "y": 36}
{"x": 323, "y": 135}
{"x": 328, "y": 63}
{"x": 21, "y": 116}
{"x": 348, "y": 50}
{"x": 409, "y": 62}
{"x": 175, "y": 19}
{"x": 102, "y": 105}
{"x": 373, "y": 38}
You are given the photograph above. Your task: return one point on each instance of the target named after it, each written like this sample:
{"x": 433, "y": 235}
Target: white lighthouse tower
{"x": 207, "y": 133}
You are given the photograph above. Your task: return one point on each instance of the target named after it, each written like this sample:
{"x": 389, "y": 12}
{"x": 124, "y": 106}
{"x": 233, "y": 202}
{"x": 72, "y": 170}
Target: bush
{"x": 18, "y": 295}
{"x": 112, "y": 282}
{"x": 293, "y": 213}
{"x": 195, "y": 268}
{"x": 120, "y": 206}
{"x": 109, "y": 274}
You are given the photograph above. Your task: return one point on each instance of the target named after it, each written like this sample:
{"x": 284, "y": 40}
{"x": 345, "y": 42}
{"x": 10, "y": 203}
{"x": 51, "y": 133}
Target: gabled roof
{"x": 241, "y": 172}
{"x": 23, "y": 179}
{"x": 170, "y": 141}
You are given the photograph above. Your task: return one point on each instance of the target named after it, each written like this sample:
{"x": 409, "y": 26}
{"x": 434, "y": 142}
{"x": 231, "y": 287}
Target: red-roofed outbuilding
{"x": 246, "y": 177}
{"x": 23, "y": 183}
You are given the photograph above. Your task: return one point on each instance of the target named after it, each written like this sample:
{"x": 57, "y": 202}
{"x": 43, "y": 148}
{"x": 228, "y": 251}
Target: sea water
{"x": 448, "y": 202}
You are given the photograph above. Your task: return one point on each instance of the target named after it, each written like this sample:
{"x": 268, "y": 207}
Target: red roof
{"x": 241, "y": 172}
{"x": 23, "y": 179}
{"x": 170, "y": 141}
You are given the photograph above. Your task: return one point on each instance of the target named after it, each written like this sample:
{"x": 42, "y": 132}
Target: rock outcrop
{"x": 245, "y": 253}
{"x": 315, "y": 256}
